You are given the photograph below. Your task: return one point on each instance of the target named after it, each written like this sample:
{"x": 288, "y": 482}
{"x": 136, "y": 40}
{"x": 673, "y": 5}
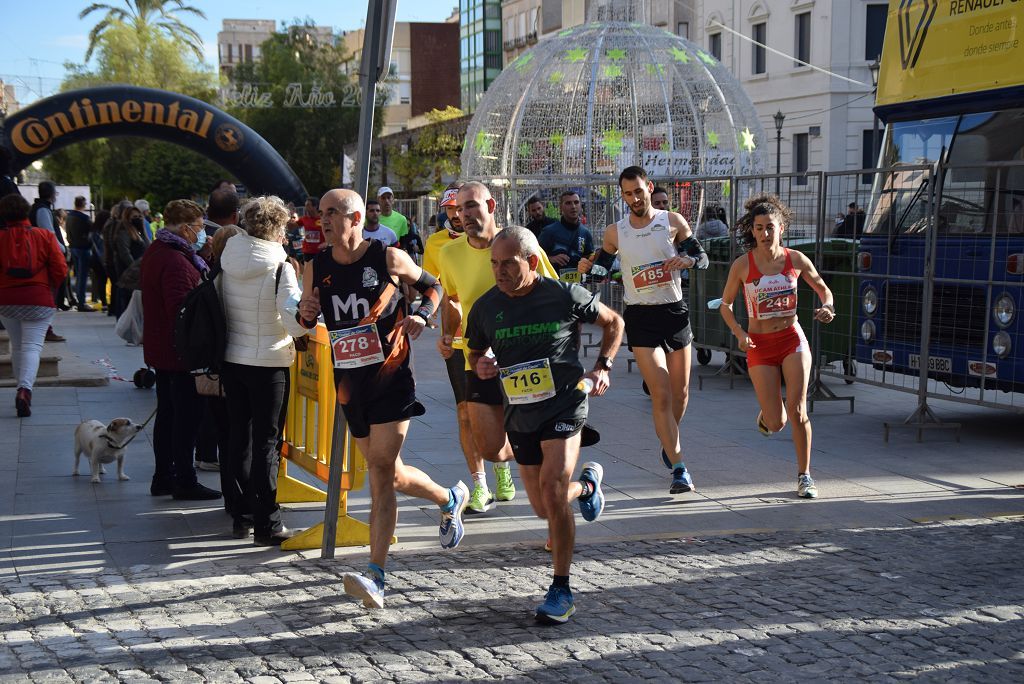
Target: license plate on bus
{"x": 937, "y": 364}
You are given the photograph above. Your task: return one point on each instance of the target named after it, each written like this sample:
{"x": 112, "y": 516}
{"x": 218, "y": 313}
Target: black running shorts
{"x": 398, "y": 403}
{"x": 484, "y": 391}
{"x": 526, "y": 445}
{"x": 456, "y": 366}
{"x": 658, "y": 325}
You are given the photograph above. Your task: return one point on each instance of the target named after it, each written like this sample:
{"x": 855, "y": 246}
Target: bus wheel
{"x": 849, "y": 370}
{"x": 703, "y": 356}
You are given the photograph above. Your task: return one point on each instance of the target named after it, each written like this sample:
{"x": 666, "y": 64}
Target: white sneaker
{"x": 365, "y": 588}
{"x": 805, "y": 488}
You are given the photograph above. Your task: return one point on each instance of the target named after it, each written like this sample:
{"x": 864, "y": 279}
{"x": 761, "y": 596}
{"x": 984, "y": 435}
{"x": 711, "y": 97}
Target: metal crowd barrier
{"x": 317, "y": 440}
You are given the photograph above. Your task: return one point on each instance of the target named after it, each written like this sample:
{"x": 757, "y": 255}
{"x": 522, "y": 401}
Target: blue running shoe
{"x": 452, "y": 529}
{"x": 558, "y": 606}
{"x": 365, "y": 587}
{"x": 681, "y": 481}
{"x": 664, "y": 459}
{"x": 591, "y": 507}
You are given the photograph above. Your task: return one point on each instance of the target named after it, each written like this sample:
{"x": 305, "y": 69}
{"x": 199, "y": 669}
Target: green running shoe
{"x": 505, "y": 489}
{"x": 480, "y": 501}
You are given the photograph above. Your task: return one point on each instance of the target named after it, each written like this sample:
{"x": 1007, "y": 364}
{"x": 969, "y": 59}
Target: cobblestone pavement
{"x": 944, "y": 601}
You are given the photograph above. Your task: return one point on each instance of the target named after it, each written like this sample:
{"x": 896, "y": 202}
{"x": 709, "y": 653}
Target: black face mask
{"x": 137, "y": 223}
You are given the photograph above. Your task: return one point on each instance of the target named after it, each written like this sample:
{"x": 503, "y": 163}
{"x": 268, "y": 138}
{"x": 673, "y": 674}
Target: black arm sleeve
{"x": 430, "y": 287}
{"x": 691, "y": 247}
{"x": 605, "y": 260}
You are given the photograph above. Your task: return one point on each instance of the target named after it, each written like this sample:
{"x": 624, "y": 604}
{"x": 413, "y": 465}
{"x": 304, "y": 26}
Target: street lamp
{"x": 875, "y": 142}
{"x": 779, "y": 119}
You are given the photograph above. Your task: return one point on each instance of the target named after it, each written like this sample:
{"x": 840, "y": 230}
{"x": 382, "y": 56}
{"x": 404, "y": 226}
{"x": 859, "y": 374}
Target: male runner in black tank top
{"x": 355, "y": 285}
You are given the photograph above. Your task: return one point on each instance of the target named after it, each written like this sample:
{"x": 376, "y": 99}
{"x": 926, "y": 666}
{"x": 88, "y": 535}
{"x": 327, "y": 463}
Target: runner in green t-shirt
{"x": 531, "y": 324}
{"x": 388, "y": 216}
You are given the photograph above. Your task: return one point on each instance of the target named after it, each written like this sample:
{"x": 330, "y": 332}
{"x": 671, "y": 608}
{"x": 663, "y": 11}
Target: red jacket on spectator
{"x": 168, "y": 275}
{"x": 48, "y": 267}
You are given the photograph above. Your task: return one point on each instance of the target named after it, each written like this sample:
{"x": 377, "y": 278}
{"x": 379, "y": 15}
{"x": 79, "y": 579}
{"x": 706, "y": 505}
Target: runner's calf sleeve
{"x": 604, "y": 260}
{"x": 692, "y": 248}
{"x": 430, "y": 287}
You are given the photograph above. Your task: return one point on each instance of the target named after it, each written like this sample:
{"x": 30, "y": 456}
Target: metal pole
{"x": 875, "y": 143}
{"x": 376, "y": 58}
{"x": 778, "y": 158}
{"x": 338, "y": 453}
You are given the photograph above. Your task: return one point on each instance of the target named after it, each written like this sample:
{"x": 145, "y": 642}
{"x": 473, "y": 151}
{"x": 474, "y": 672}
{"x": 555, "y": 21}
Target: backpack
{"x": 200, "y": 328}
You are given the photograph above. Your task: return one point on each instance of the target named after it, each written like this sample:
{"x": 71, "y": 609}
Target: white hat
{"x": 449, "y": 197}
{"x": 384, "y": 190}
{"x": 142, "y": 205}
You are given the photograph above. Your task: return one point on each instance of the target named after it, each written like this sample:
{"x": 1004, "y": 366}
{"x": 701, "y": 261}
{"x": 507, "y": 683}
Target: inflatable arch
{"x": 122, "y": 110}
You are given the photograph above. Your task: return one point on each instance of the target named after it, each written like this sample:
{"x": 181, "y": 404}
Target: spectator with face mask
{"x": 171, "y": 268}
{"x": 128, "y": 246}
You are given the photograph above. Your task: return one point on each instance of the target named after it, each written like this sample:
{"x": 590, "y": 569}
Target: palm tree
{"x": 145, "y": 15}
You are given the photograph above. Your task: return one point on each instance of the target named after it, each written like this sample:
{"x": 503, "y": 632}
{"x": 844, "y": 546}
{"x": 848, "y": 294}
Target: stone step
{"x": 48, "y": 367}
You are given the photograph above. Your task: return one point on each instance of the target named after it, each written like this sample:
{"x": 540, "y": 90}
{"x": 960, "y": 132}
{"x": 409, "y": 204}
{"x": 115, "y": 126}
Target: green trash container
{"x": 709, "y": 330}
{"x": 838, "y": 339}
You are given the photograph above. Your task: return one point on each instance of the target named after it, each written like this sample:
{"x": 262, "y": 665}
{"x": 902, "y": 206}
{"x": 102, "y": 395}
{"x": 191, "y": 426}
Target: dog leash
{"x": 111, "y": 444}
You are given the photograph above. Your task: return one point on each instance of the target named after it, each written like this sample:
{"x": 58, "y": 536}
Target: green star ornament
{"x": 712, "y": 139}
{"x": 482, "y": 143}
{"x": 680, "y": 55}
{"x": 611, "y": 141}
{"x": 523, "y": 61}
{"x": 612, "y": 71}
{"x": 747, "y": 140}
{"x": 576, "y": 54}
{"x": 556, "y": 77}
{"x": 616, "y": 55}
{"x": 706, "y": 58}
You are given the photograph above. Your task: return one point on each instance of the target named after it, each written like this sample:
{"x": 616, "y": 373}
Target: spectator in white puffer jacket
{"x": 259, "y": 352}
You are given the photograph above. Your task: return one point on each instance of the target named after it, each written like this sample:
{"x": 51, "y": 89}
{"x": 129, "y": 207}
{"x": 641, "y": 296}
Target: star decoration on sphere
{"x": 726, "y": 189}
{"x": 655, "y": 69}
{"x": 524, "y": 150}
{"x": 563, "y": 33}
{"x": 523, "y": 61}
{"x": 616, "y": 55}
{"x": 576, "y": 54}
{"x": 712, "y": 139}
{"x": 706, "y": 58}
{"x": 680, "y": 55}
{"x": 556, "y": 139}
{"x": 611, "y": 141}
{"x": 747, "y": 140}
{"x": 665, "y": 146}
{"x": 612, "y": 71}
{"x": 482, "y": 143}
{"x": 556, "y": 77}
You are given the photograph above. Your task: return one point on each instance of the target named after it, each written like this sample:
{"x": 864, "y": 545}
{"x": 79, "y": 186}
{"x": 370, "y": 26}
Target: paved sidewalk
{"x": 741, "y": 580}
{"x": 941, "y": 601}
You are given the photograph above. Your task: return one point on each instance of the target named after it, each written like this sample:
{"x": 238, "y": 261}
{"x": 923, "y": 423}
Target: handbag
{"x": 208, "y": 385}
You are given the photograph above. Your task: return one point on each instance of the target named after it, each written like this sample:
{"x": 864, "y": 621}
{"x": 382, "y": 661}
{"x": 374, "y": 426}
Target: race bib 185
{"x": 650, "y": 276}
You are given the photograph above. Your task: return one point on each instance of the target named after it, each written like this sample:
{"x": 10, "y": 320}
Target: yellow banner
{"x": 309, "y": 371}
{"x": 938, "y": 48}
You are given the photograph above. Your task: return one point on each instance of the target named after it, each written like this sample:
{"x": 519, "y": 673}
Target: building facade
{"x": 424, "y": 71}
{"x": 809, "y": 60}
{"x": 240, "y": 40}
{"x": 524, "y": 22}
{"x": 480, "y": 49}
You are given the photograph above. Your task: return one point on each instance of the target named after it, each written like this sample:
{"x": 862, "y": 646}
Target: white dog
{"x": 104, "y": 444}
